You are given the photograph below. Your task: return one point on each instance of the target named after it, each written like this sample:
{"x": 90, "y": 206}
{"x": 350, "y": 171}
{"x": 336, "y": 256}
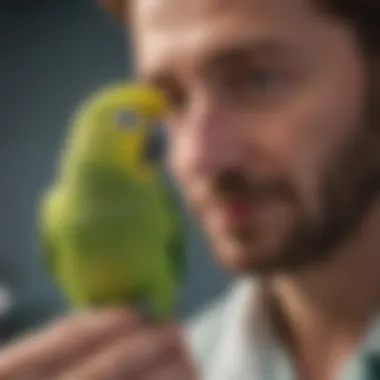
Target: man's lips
{"x": 237, "y": 214}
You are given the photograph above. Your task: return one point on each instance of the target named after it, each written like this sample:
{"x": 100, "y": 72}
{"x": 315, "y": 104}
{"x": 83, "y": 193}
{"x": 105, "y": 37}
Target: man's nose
{"x": 214, "y": 143}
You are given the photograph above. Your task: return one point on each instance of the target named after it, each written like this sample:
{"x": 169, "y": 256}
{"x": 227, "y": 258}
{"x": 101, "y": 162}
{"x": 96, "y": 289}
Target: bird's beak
{"x": 142, "y": 154}
{"x": 155, "y": 146}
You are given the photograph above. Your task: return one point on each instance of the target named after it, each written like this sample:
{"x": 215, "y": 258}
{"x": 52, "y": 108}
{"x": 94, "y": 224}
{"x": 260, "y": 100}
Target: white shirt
{"x": 232, "y": 340}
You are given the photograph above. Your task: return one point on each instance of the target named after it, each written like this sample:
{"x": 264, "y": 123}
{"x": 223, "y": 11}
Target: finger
{"x": 181, "y": 369}
{"x": 130, "y": 357}
{"x": 65, "y": 341}
{"x": 174, "y": 372}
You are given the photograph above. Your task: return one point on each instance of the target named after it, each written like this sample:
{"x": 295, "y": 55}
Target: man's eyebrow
{"x": 233, "y": 52}
{"x": 229, "y": 53}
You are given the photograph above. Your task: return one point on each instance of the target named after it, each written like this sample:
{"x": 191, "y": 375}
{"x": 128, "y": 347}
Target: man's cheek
{"x": 300, "y": 160}
{"x": 309, "y": 137}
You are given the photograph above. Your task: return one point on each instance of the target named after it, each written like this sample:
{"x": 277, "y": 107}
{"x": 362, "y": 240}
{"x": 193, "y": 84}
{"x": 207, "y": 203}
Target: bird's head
{"x": 120, "y": 125}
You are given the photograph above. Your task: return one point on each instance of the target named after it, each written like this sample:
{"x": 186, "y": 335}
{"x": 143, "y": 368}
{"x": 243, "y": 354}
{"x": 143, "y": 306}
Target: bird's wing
{"x": 177, "y": 243}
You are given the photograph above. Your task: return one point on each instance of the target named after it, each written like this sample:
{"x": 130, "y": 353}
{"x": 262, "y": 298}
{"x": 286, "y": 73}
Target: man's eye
{"x": 262, "y": 81}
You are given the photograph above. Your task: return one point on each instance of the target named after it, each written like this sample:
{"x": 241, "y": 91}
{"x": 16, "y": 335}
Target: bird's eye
{"x": 128, "y": 119}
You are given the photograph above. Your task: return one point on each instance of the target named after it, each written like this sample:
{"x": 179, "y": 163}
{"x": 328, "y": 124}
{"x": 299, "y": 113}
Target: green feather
{"x": 177, "y": 244}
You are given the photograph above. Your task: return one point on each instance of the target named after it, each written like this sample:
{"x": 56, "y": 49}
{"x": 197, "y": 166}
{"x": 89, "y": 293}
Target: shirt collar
{"x": 245, "y": 338}
{"x": 248, "y": 349}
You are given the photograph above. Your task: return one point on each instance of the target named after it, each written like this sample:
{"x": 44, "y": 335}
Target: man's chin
{"x": 242, "y": 260}
{"x": 261, "y": 250}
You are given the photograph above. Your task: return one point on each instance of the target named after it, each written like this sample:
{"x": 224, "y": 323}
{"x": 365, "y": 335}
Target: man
{"x": 274, "y": 140}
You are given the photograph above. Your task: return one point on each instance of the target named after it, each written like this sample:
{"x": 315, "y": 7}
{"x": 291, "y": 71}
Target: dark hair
{"x": 363, "y": 15}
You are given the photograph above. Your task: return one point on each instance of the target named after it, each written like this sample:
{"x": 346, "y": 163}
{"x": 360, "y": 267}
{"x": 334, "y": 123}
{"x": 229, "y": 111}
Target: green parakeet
{"x": 110, "y": 231}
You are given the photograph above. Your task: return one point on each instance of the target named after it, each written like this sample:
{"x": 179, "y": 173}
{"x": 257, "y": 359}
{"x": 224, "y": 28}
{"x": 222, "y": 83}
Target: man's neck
{"x": 327, "y": 309}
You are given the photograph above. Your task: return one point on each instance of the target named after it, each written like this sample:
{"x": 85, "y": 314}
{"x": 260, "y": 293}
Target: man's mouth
{"x": 237, "y": 214}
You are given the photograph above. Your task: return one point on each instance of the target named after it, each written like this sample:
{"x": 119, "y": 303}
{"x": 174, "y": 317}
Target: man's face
{"x": 269, "y": 127}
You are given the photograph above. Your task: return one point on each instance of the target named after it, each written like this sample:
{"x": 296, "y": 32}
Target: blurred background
{"x": 52, "y": 55}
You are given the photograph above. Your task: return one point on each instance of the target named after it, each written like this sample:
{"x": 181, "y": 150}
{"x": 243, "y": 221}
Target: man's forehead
{"x": 177, "y": 12}
{"x": 189, "y": 30}
{"x": 171, "y": 12}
